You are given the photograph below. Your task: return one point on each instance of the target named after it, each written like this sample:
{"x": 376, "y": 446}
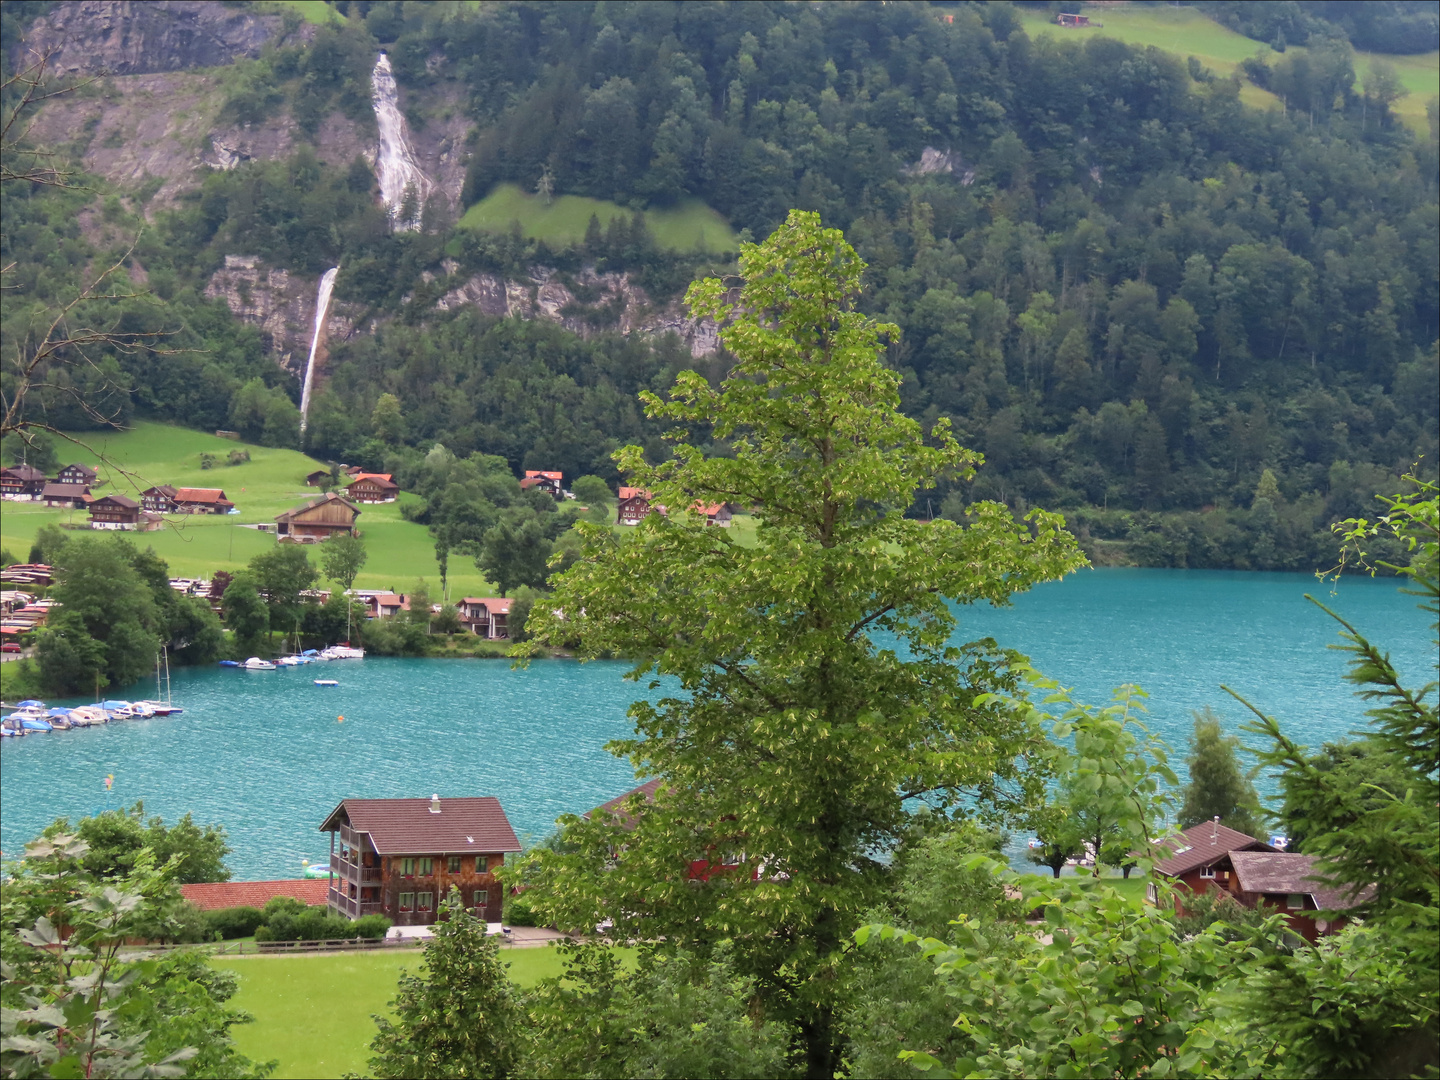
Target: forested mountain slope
{"x": 1201, "y": 330}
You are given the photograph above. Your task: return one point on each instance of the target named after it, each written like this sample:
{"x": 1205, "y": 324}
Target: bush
{"x": 517, "y": 911}
{"x": 232, "y": 923}
{"x": 283, "y": 905}
{"x": 373, "y": 927}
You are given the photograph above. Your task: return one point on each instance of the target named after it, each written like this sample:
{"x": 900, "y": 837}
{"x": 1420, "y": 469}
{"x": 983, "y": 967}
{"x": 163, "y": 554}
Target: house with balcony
{"x": 121, "y": 512}
{"x": 372, "y": 488}
{"x": 401, "y": 857}
{"x": 21, "y": 482}
{"x": 551, "y": 482}
{"x": 1197, "y": 858}
{"x": 487, "y": 616}
{"x": 317, "y": 520}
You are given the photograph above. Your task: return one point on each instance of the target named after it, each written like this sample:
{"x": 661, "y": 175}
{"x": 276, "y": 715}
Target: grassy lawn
{"x": 314, "y": 1012}
{"x": 1184, "y": 31}
{"x": 691, "y": 226}
{"x": 318, "y": 12}
{"x": 270, "y": 482}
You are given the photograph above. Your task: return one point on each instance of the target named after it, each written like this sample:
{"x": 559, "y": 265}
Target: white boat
{"x": 289, "y": 661}
{"x": 342, "y": 652}
{"x": 256, "y": 664}
{"x": 118, "y": 710}
{"x": 327, "y": 682}
{"x": 88, "y": 716}
{"x": 141, "y": 710}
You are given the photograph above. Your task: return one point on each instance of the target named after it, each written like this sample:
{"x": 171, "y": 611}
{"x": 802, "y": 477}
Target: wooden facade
{"x": 318, "y": 519}
{"x": 21, "y": 482}
{"x": 634, "y": 506}
{"x": 159, "y": 499}
{"x": 72, "y": 495}
{"x": 372, "y": 488}
{"x": 76, "y": 474}
{"x": 115, "y": 512}
{"x": 1195, "y": 858}
{"x": 202, "y": 501}
{"x": 402, "y": 857}
{"x": 553, "y": 482}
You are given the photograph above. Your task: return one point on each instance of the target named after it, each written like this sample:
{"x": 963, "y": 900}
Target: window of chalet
{"x": 1207, "y": 872}
{"x": 454, "y": 864}
{"x": 425, "y": 901}
{"x": 407, "y": 901}
{"x": 407, "y": 867}
{"x": 482, "y": 897}
{"x": 426, "y": 868}
{"x": 1295, "y": 901}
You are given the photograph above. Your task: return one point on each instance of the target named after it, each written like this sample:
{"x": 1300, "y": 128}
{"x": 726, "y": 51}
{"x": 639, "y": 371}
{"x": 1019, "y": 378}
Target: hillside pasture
{"x": 271, "y": 482}
{"x": 691, "y": 226}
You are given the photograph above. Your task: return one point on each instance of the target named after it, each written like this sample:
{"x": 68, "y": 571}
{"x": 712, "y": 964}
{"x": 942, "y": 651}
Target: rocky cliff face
{"x": 128, "y": 37}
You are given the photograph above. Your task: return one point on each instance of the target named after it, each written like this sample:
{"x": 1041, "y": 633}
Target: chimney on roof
{"x": 435, "y": 804}
{"x": 1214, "y": 828}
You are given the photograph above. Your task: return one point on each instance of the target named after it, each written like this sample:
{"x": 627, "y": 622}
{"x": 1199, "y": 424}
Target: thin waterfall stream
{"x": 322, "y": 307}
{"x": 395, "y": 165}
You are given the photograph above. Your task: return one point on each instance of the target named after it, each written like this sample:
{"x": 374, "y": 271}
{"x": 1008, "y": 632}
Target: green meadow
{"x": 1185, "y": 31}
{"x": 690, "y": 226}
{"x": 314, "y": 1013}
{"x": 271, "y": 482}
{"x": 317, "y": 12}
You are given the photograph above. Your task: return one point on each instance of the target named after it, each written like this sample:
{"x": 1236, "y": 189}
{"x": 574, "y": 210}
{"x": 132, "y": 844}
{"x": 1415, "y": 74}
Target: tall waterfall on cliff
{"x": 395, "y": 165}
{"x": 322, "y": 307}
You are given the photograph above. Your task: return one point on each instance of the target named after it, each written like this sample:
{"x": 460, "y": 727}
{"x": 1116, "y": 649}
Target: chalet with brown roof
{"x": 487, "y": 616}
{"x": 1293, "y": 883}
{"x": 159, "y": 499}
{"x": 401, "y": 857}
{"x": 202, "y": 501}
{"x": 615, "y": 811}
{"x": 316, "y": 478}
{"x": 121, "y": 512}
{"x": 1198, "y": 857}
{"x": 77, "y": 474}
{"x": 217, "y": 895}
{"x": 21, "y": 482}
{"x": 634, "y": 506}
{"x": 73, "y": 496}
{"x": 319, "y": 519}
{"x": 553, "y": 482}
{"x": 372, "y": 488}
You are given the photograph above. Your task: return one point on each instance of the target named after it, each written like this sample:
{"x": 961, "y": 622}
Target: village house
{"x": 21, "y": 482}
{"x": 721, "y": 861}
{"x": 202, "y": 501}
{"x": 551, "y": 482}
{"x": 159, "y": 499}
{"x": 76, "y": 474}
{"x": 73, "y": 496}
{"x": 634, "y": 506}
{"x": 372, "y": 488}
{"x": 486, "y": 616}
{"x": 714, "y": 514}
{"x": 316, "y": 478}
{"x": 319, "y": 519}
{"x": 388, "y": 605}
{"x": 401, "y": 857}
{"x": 1197, "y": 858}
{"x": 27, "y": 574}
{"x": 121, "y": 512}
{"x": 1292, "y": 883}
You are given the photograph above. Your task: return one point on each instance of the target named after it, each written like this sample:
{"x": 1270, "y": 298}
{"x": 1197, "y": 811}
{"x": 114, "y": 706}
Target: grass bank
{"x": 690, "y": 226}
{"x": 315, "y": 1013}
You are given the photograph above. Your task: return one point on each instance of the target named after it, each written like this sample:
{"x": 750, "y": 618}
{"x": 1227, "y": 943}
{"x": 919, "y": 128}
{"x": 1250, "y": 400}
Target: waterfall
{"x": 395, "y": 164}
{"x": 322, "y": 307}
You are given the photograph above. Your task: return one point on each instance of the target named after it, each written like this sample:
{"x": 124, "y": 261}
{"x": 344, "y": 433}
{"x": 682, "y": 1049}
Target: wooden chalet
{"x": 1197, "y": 857}
{"x": 21, "y": 482}
{"x": 318, "y": 519}
{"x": 202, "y": 501}
{"x": 553, "y": 482}
{"x": 121, "y": 512}
{"x": 75, "y": 496}
{"x": 77, "y": 474}
{"x": 159, "y": 499}
{"x": 717, "y": 514}
{"x": 634, "y": 506}
{"x": 1291, "y": 883}
{"x": 372, "y": 488}
{"x": 486, "y": 616}
{"x": 316, "y": 478}
{"x": 401, "y": 857}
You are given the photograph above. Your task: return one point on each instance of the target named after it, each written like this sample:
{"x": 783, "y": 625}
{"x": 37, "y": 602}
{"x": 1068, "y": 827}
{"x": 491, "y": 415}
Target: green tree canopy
{"x": 281, "y": 575}
{"x": 801, "y": 733}
{"x": 341, "y": 558}
{"x": 1218, "y": 788}
{"x": 115, "y": 839}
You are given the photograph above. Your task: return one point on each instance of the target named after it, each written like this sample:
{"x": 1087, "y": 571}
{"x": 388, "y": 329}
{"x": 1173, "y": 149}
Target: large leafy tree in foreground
{"x": 819, "y": 689}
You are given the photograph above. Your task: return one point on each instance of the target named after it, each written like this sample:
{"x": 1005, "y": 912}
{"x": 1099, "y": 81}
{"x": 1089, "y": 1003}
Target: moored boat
{"x": 256, "y": 664}
{"x": 229, "y": 663}
{"x": 327, "y": 682}
{"x": 118, "y": 710}
{"x": 88, "y": 716}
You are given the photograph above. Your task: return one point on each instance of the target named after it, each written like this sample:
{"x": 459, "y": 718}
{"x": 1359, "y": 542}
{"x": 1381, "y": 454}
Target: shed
{"x": 318, "y": 519}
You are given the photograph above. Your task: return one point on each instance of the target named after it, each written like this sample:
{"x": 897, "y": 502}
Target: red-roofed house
{"x": 487, "y": 616}
{"x": 634, "y": 506}
{"x": 553, "y": 482}
{"x": 713, "y": 513}
{"x": 401, "y": 857}
{"x": 202, "y": 501}
{"x": 372, "y": 488}
{"x": 214, "y": 895}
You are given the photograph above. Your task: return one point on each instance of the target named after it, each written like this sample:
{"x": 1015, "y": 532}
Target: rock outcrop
{"x": 130, "y": 37}
{"x": 281, "y": 305}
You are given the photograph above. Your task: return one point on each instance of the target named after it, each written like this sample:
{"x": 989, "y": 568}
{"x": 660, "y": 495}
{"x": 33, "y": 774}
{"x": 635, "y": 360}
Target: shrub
{"x": 517, "y": 911}
{"x": 238, "y": 922}
{"x": 283, "y": 905}
{"x": 373, "y": 927}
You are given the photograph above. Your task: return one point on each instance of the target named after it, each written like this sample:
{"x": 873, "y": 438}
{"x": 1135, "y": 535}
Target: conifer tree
{"x": 1218, "y": 788}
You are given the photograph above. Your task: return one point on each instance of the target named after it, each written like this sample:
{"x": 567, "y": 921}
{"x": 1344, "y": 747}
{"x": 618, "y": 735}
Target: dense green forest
{"x": 1202, "y": 331}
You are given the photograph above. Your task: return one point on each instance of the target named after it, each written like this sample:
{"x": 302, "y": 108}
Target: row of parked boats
{"x": 35, "y": 718}
{"x": 309, "y": 656}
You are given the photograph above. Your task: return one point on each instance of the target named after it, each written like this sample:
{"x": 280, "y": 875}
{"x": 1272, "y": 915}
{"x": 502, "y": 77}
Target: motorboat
{"x": 229, "y": 663}
{"x": 88, "y": 716}
{"x": 142, "y": 710}
{"x": 327, "y": 682}
{"x": 59, "y": 719}
{"x": 118, "y": 710}
{"x": 256, "y": 664}
{"x": 162, "y": 708}
{"x": 342, "y": 652}
{"x": 30, "y": 703}
{"x": 35, "y": 723}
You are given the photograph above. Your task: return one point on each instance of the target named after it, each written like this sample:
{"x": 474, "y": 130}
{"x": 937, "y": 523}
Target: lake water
{"x": 265, "y": 755}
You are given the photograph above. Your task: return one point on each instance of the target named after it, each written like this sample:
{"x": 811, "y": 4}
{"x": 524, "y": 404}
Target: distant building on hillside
{"x": 634, "y": 506}
{"x": 486, "y": 616}
{"x": 318, "y": 519}
{"x": 76, "y": 474}
{"x": 21, "y": 482}
{"x": 316, "y": 478}
{"x": 372, "y": 488}
{"x": 202, "y": 501}
{"x": 159, "y": 499}
{"x": 121, "y": 512}
{"x": 553, "y": 482}
{"x": 401, "y": 857}
{"x": 714, "y": 513}
{"x": 1064, "y": 19}
{"x": 72, "y": 495}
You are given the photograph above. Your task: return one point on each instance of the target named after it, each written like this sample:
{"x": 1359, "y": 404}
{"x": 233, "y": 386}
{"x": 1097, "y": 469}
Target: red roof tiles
{"x": 214, "y": 895}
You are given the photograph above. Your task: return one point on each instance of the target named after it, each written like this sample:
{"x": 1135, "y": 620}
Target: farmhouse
{"x": 634, "y": 506}
{"x": 714, "y": 513}
{"x": 21, "y": 482}
{"x": 372, "y": 488}
{"x": 1292, "y": 883}
{"x": 202, "y": 501}
{"x": 121, "y": 512}
{"x": 486, "y": 616}
{"x": 159, "y": 499}
{"x": 72, "y": 495}
{"x": 316, "y": 478}
{"x": 545, "y": 481}
{"x": 401, "y": 857}
{"x": 318, "y": 519}
{"x": 76, "y": 474}
{"x": 1198, "y": 857}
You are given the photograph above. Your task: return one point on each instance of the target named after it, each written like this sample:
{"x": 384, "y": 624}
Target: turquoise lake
{"x": 263, "y": 753}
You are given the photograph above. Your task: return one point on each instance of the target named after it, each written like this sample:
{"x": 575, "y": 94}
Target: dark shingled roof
{"x": 1202, "y": 845}
{"x": 613, "y": 808}
{"x": 407, "y": 826}
{"x": 1289, "y": 872}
